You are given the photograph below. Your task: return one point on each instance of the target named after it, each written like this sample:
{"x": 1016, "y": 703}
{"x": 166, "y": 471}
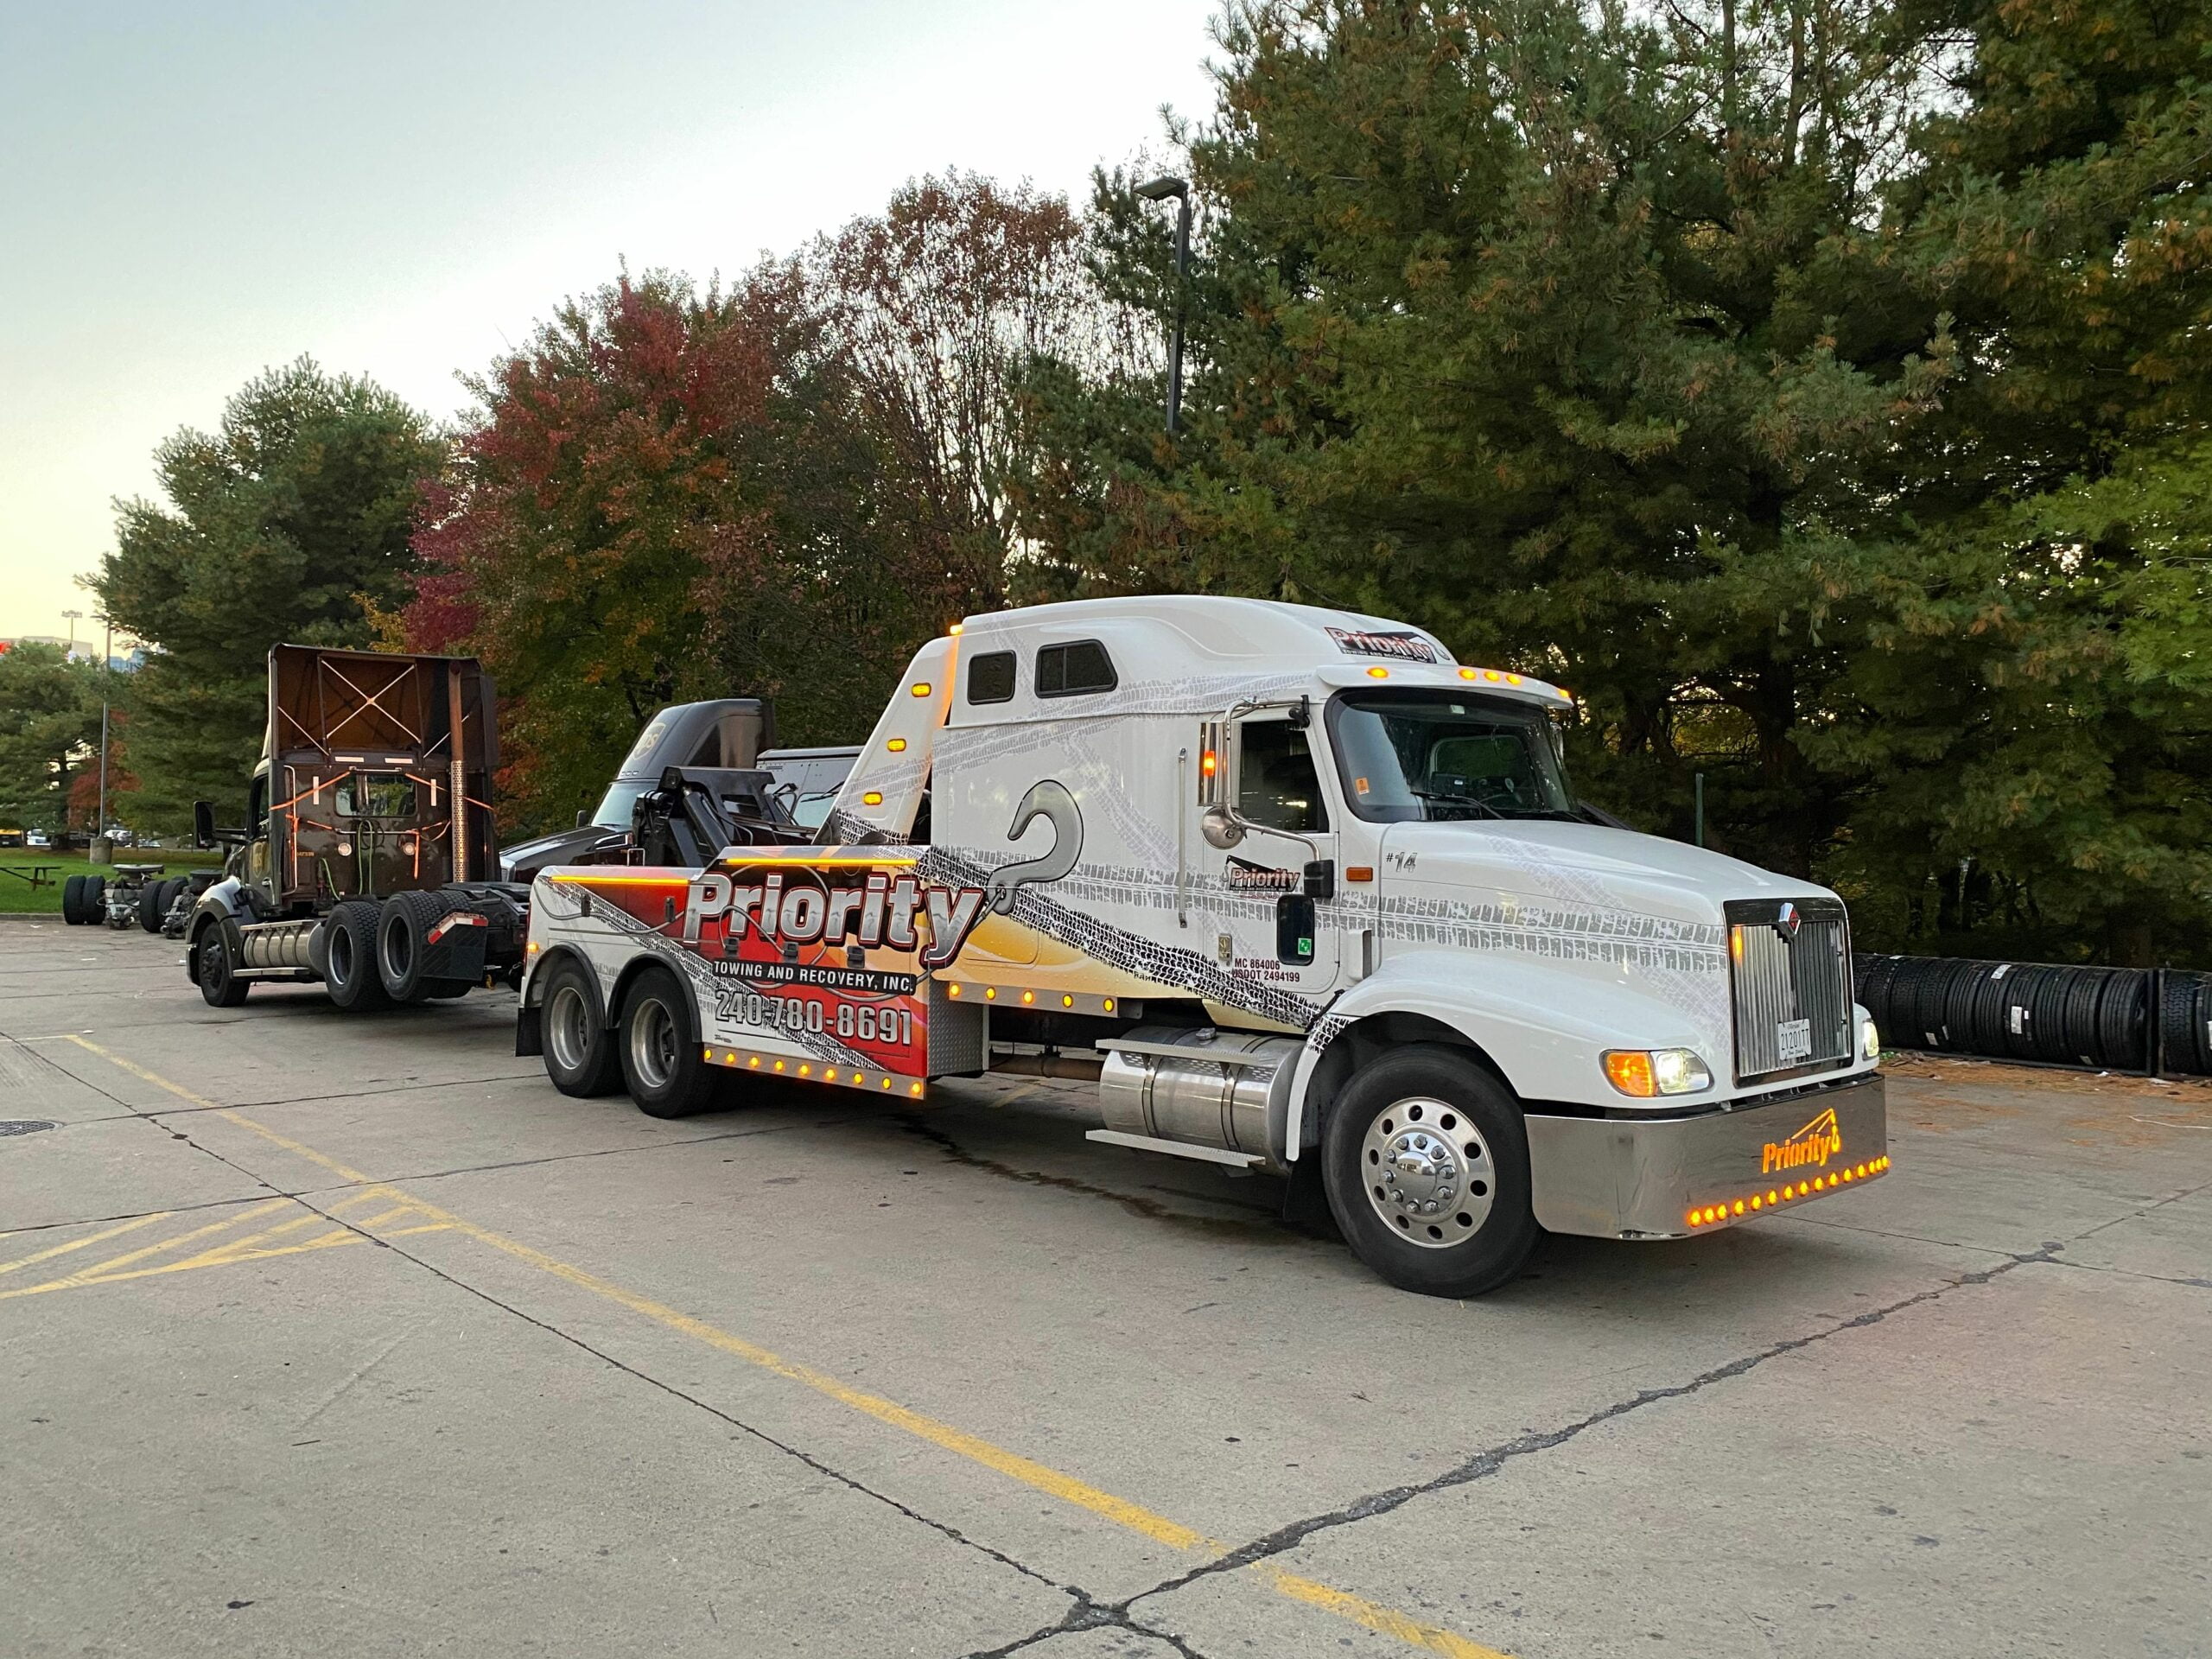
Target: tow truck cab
{"x": 1305, "y": 894}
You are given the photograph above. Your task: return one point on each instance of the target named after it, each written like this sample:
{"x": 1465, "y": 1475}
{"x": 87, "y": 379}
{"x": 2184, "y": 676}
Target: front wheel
{"x": 218, "y": 971}
{"x": 661, "y": 1062}
{"x": 1426, "y": 1160}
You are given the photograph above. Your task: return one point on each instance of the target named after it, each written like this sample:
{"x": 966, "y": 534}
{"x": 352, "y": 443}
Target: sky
{"x": 190, "y": 194}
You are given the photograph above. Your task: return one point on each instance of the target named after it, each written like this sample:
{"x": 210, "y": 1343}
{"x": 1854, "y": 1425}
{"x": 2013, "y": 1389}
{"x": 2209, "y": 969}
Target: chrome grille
{"x": 1791, "y": 986}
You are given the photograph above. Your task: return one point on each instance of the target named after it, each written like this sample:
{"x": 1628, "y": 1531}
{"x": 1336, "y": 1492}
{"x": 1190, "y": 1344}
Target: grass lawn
{"x": 19, "y": 897}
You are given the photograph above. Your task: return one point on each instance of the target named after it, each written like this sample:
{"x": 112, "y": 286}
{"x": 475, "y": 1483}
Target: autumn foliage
{"x": 779, "y": 489}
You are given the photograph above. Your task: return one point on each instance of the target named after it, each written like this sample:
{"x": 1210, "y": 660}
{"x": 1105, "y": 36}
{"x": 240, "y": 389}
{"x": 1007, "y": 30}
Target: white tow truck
{"x": 1302, "y": 893}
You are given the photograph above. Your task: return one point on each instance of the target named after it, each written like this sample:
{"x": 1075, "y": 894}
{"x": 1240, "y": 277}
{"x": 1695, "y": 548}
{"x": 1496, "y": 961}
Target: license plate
{"x": 1793, "y": 1040}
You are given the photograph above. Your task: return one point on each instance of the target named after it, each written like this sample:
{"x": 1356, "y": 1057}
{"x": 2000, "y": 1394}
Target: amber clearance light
{"x": 1711, "y": 1215}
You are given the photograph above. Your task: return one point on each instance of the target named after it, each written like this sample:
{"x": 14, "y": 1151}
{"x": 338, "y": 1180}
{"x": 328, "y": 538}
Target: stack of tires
{"x": 2095, "y": 1017}
{"x": 2186, "y": 1022}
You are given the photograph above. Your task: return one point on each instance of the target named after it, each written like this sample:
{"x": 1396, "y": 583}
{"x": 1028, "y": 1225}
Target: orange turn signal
{"x": 1629, "y": 1070}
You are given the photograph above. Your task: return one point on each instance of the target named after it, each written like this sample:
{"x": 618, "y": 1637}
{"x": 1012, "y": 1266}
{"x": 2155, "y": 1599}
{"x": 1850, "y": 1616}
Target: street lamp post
{"x": 1159, "y": 190}
{"x": 107, "y": 660}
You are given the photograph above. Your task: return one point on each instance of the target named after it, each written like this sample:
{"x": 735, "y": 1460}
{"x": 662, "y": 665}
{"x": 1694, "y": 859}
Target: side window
{"x": 1276, "y": 783}
{"x": 1078, "y": 669}
{"x": 990, "y": 678}
{"x": 257, "y": 802}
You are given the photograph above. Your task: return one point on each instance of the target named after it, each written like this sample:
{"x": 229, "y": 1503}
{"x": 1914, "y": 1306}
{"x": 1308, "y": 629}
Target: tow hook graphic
{"x": 1050, "y": 801}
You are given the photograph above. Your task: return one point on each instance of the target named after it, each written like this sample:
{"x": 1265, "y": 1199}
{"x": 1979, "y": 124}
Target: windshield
{"x": 1409, "y": 755}
{"x": 615, "y": 806}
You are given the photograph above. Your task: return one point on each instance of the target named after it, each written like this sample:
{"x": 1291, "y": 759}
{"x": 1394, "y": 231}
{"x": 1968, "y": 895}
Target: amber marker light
{"x": 913, "y": 1087}
{"x": 956, "y": 630}
{"x": 897, "y": 745}
{"x": 1067, "y": 1002}
{"x": 1209, "y": 763}
{"x": 806, "y": 1070}
{"x": 952, "y": 991}
{"x": 990, "y": 993}
{"x": 1378, "y": 672}
{"x": 754, "y": 1062}
{"x": 920, "y": 688}
{"x": 1470, "y": 673}
{"x": 1629, "y": 1070}
{"x": 1109, "y": 1004}
{"x": 1359, "y": 872}
{"x": 1513, "y": 679}
{"x": 1029, "y": 996}
{"x": 874, "y": 797}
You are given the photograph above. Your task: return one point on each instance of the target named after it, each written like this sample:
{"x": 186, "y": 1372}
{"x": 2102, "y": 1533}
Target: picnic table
{"x": 38, "y": 875}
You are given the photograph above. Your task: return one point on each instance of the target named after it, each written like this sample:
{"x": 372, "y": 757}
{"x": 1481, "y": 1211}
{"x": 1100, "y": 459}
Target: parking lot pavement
{"x": 352, "y": 1336}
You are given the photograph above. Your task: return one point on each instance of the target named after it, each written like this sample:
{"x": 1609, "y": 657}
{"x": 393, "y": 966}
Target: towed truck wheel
{"x": 661, "y": 1062}
{"x": 1426, "y": 1159}
{"x": 217, "y": 970}
{"x": 403, "y": 947}
{"x": 580, "y": 1051}
{"x": 349, "y": 947}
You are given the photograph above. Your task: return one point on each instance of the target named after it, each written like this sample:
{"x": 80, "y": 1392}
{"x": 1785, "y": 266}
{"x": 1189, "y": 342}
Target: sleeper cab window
{"x": 1079, "y": 669}
{"x": 990, "y": 678}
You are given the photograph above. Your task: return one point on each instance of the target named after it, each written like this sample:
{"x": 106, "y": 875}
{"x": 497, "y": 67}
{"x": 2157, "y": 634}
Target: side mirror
{"x": 1320, "y": 878}
{"x": 1221, "y": 827}
{"x": 583, "y": 817}
{"x": 203, "y": 824}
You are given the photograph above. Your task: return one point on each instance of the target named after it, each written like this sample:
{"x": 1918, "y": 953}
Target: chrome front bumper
{"x": 1665, "y": 1178}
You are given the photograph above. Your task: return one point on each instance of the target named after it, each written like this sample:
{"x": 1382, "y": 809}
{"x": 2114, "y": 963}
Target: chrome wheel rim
{"x": 1428, "y": 1172}
{"x": 653, "y": 1044}
{"x": 568, "y": 1026}
{"x": 341, "y": 957}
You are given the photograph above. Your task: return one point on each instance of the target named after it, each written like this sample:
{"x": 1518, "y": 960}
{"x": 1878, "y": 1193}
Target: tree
{"x": 49, "y": 733}
{"x": 1684, "y": 356}
{"x": 778, "y": 489}
{"x": 278, "y": 526}
{"x": 665, "y": 495}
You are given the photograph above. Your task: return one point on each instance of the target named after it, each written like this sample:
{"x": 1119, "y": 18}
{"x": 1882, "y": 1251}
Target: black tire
{"x": 171, "y": 892}
{"x": 149, "y": 906}
{"x": 581, "y": 1055}
{"x": 92, "y": 901}
{"x": 403, "y": 943}
{"x": 73, "y": 901}
{"x": 215, "y": 970}
{"x": 1462, "y": 1145}
{"x": 349, "y": 943}
{"x": 662, "y": 1067}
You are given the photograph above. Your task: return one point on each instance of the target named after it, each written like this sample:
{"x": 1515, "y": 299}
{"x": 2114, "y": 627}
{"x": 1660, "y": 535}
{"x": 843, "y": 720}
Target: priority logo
{"x": 1814, "y": 1144}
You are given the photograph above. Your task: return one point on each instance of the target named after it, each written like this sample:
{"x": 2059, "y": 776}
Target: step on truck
{"x": 366, "y": 861}
{"x": 1298, "y": 892}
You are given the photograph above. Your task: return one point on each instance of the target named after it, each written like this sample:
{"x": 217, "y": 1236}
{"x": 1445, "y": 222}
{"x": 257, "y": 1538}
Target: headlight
{"x": 1644, "y": 1072}
{"x": 1870, "y": 1040}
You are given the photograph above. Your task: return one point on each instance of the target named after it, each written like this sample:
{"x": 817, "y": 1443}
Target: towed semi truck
{"x": 365, "y": 860}
{"x": 368, "y": 860}
{"x": 1297, "y": 892}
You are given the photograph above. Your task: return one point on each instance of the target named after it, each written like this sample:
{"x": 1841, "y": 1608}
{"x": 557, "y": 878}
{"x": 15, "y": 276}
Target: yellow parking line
{"x": 48, "y": 1254}
{"x": 1356, "y": 1610}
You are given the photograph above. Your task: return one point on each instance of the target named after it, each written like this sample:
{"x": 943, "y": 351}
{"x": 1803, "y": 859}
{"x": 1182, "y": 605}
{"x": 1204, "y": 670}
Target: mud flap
{"x": 1306, "y": 1202}
{"x": 528, "y": 1033}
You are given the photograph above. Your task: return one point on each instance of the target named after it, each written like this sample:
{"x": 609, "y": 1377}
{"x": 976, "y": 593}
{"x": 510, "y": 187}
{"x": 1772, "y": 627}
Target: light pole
{"x": 107, "y": 659}
{"x": 72, "y": 616}
{"x": 1159, "y": 190}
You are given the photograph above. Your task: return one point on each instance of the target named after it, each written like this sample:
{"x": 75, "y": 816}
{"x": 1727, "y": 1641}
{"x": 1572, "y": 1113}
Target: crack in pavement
{"x": 1492, "y": 1459}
